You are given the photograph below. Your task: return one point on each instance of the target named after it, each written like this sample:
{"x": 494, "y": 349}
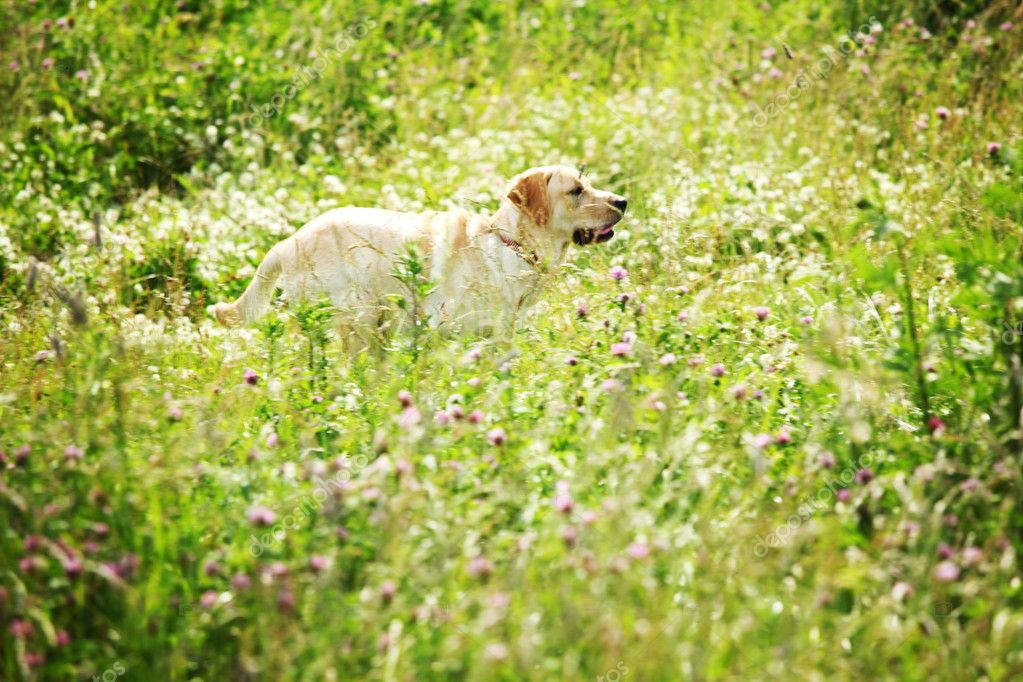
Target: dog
{"x": 484, "y": 270}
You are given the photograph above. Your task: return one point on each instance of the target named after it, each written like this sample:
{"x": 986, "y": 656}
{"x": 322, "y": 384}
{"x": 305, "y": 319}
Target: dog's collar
{"x": 530, "y": 257}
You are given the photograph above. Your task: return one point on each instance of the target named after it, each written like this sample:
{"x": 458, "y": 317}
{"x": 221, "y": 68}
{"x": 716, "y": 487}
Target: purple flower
{"x": 240, "y": 581}
{"x": 476, "y": 417}
{"x": 718, "y": 370}
{"x": 473, "y": 355}
{"x": 480, "y": 567}
{"x": 73, "y": 452}
{"x": 271, "y": 440}
{"x": 806, "y": 319}
{"x": 496, "y": 436}
{"x": 47, "y": 64}
{"x": 251, "y": 378}
{"x": 572, "y": 361}
{"x": 993, "y": 148}
{"x": 317, "y": 563}
{"x": 208, "y": 599}
{"x": 768, "y": 53}
{"x": 82, "y": 75}
{"x": 22, "y": 453}
{"x": 404, "y": 398}
{"x": 582, "y": 310}
{"x": 668, "y": 359}
{"x": 761, "y": 440}
{"x": 864, "y": 476}
{"x": 621, "y": 348}
{"x": 261, "y": 516}
{"x": 409, "y": 418}
{"x": 943, "y": 113}
{"x": 972, "y": 556}
{"x": 210, "y": 568}
{"x": 826, "y": 460}
{"x": 14, "y": 66}
{"x": 1006, "y": 26}
{"x": 945, "y": 552}
{"x": 682, "y": 316}
{"x": 935, "y": 425}
{"x": 610, "y": 385}
{"x": 783, "y": 437}
{"x": 638, "y": 551}
{"x": 946, "y": 572}
{"x": 442, "y": 417}
{"x": 618, "y": 273}
{"x": 569, "y": 536}
{"x": 842, "y": 495}
{"x": 761, "y": 312}
{"x": 758, "y": 394}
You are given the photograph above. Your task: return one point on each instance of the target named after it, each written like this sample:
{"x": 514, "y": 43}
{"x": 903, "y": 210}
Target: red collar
{"x": 530, "y": 257}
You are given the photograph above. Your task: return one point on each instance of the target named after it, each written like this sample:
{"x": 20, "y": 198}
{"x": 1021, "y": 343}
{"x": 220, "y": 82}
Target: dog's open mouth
{"x": 594, "y": 236}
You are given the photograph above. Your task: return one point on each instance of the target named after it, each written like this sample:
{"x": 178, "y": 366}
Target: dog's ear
{"x": 530, "y": 196}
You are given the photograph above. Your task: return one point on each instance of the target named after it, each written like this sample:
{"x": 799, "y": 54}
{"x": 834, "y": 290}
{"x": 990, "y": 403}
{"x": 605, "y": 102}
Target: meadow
{"x": 772, "y": 430}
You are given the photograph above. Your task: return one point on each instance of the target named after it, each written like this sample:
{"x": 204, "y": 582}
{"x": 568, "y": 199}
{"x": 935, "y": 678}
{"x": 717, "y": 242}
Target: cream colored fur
{"x": 481, "y": 280}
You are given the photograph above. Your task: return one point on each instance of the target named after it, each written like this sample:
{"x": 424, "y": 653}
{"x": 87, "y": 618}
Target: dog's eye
{"x": 576, "y": 191}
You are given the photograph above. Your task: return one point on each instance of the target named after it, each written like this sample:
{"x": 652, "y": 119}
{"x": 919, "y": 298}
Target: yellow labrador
{"x": 485, "y": 270}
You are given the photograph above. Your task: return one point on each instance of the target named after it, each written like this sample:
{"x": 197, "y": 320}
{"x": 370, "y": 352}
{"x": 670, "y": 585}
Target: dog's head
{"x": 556, "y": 203}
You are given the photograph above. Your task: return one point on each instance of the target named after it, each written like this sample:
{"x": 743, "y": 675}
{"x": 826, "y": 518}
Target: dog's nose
{"x": 620, "y": 203}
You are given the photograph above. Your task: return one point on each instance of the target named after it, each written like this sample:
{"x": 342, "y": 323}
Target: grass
{"x": 807, "y": 464}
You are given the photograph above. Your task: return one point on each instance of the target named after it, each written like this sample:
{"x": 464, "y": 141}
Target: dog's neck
{"x": 512, "y": 227}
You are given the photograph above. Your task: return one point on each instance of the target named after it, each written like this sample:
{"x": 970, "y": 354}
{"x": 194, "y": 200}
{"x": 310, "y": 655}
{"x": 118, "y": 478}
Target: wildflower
{"x": 758, "y": 394}
{"x": 718, "y": 370}
{"x": 668, "y": 359}
{"x": 72, "y": 568}
{"x": 864, "y": 476}
{"x": 739, "y": 392}
{"x": 476, "y": 417}
{"x": 82, "y": 75}
{"x": 14, "y": 66}
{"x": 945, "y": 552}
{"x": 901, "y": 590}
{"x": 682, "y": 316}
{"x": 73, "y": 452}
{"x": 271, "y": 440}
{"x": 972, "y": 556}
{"x": 442, "y": 417}
{"x": 208, "y": 599}
{"x": 251, "y": 378}
{"x": 174, "y": 414}
{"x": 285, "y": 601}
{"x": 210, "y": 568}
{"x": 946, "y": 572}
{"x": 474, "y": 382}
{"x": 659, "y": 405}
{"x": 480, "y": 567}
{"x": 63, "y": 638}
{"x": 842, "y": 495}
{"x": 240, "y": 581}
{"x": 496, "y": 436}
{"x": 35, "y": 659}
{"x": 768, "y": 53}
{"x": 572, "y": 361}
{"x": 761, "y": 440}
{"x": 943, "y": 113}
{"x": 1006, "y": 26}
{"x": 695, "y": 361}
{"x": 638, "y": 551}
{"x": 261, "y": 516}
{"x": 993, "y": 148}
{"x": 621, "y": 348}
{"x": 826, "y": 460}
{"x": 761, "y": 312}
{"x": 774, "y": 73}
{"x": 935, "y": 425}
{"x": 496, "y": 651}
{"x": 581, "y": 311}
{"x": 563, "y": 501}
{"x": 806, "y": 319}
{"x": 618, "y": 273}
{"x": 21, "y": 629}
{"x": 317, "y": 563}
{"x": 610, "y": 385}
{"x": 569, "y": 536}
{"x": 969, "y": 485}
{"x": 404, "y": 398}
{"x": 47, "y": 64}
{"x": 409, "y": 418}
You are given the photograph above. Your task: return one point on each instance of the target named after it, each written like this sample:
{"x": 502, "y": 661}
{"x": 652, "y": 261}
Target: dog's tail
{"x": 254, "y": 303}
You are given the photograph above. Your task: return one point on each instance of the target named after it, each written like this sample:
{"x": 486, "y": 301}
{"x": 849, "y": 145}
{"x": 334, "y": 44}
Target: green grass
{"x": 841, "y": 503}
